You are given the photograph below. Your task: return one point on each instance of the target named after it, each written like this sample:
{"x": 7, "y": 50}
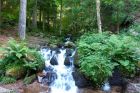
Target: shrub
{"x": 18, "y": 57}
{"x": 7, "y": 80}
{"x": 101, "y": 52}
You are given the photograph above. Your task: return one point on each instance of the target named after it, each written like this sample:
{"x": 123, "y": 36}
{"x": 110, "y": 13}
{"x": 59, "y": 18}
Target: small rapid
{"x": 58, "y": 75}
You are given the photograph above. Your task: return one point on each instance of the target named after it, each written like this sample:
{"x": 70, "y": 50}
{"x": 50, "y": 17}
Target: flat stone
{"x": 4, "y": 90}
{"x": 133, "y": 88}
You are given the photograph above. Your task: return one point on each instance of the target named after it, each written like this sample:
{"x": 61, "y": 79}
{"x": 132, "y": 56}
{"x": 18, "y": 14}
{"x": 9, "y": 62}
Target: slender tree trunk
{"x": 40, "y": 15}
{"x": 118, "y": 23}
{"x": 61, "y": 17}
{"x": 22, "y": 19}
{"x": 98, "y": 16}
{"x": 34, "y": 21}
{"x": 43, "y": 24}
{"x": 48, "y": 19}
{"x": 0, "y": 14}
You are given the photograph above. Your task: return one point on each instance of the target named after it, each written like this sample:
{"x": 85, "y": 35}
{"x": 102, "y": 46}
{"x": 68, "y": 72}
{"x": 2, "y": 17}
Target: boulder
{"x": 49, "y": 78}
{"x": 67, "y": 61}
{"x": 15, "y": 71}
{"x": 53, "y": 61}
{"x": 117, "y": 80}
{"x": 69, "y": 44}
{"x": 35, "y": 88}
{"x": 68, "y": 52}
{"x": 80, "y": 80}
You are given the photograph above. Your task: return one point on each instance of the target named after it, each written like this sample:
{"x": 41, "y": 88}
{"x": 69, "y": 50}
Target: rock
{"x": 76, "y": 60}
{"x": 69, "y": 44}
{"x": 35, "y": 88}
{"x": 3, "y": 90}
{"x": 133, "y": 88}
{"x": 117, "y": 79}
{"x": 48, "y": 69}
{"x": 60, "y": 45}
{"x": 53, "y": 61}
{"x": 67, "y": 61}
{"x": 49, "y": 78}
{"x": 30, "y": 79}
{"x": 80, "y": 80}
{"x": 15, "y": 71}
{"x": 88, "y": 90}
{"x": 68, "y": 37}
{"x": 68, "y": 52}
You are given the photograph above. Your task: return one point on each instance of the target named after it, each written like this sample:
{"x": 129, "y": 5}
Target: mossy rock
{"x": 69, "y": 44}
{"x": 30, "y": 79}
{"x": 15, "y": 71}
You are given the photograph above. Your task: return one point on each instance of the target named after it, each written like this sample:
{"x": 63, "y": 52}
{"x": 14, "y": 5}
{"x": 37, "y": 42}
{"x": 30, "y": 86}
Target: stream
{"x": 58, "y": 69}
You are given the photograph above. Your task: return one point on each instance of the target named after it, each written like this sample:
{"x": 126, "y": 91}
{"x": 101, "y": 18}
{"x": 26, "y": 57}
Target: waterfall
{"x": 60, "y": 80}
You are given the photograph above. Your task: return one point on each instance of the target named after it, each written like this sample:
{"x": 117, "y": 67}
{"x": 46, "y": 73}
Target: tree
{"x": 98, "y": 16}
{"x": 34, "y": 21}
{"x": 0, "y": 14}
{"x": 22, "y": 19}
{"x": 61, "y": 6}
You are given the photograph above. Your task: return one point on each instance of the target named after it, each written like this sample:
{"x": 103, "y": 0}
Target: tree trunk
{"x": 22, "y": 19}
{"x": 98, "y": 16}
{"x": 61, "y": 17}
{"x": 34, "y": 21}
{"x": 118, "y": 23}
{"x": 40, "y": 15}
{"x": 44, "y": 20}
{"x": 0, "y": 14}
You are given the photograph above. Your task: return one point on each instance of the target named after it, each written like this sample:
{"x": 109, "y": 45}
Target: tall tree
{"x": 99, "y": 23}
{"x": 0, "y": 14}
{"x": 34, "y": 21}
{"x": 61, "y": 6}
{"x": 22, "y": 19}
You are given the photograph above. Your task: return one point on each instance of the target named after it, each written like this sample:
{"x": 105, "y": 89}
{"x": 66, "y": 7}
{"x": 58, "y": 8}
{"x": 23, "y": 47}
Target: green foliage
{"x": 98, "y": 68}
{"x": 7, "y": 80}
{"x": 18, "y": 57}
{"x": 29, "y": 80}
{"x": 100, "y": 52}
{"x": 15, "y": 70}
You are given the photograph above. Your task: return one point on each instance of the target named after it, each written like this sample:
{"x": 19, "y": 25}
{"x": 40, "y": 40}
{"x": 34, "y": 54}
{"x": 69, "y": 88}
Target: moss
{"x": 7, "y": 80}
{"x": 29, "y": 80}
{"x": 16, "y": 71}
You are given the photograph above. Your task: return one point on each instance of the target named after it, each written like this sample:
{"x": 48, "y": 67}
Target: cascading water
{"x": 61, "y": 81}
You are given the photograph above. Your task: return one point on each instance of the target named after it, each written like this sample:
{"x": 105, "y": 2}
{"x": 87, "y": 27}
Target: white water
{"x": 64, "y": 82}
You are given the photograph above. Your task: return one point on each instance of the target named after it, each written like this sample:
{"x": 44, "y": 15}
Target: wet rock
{"x": 68, "y": 37}
{"x": 117, "y": 80}
{"x": 60, "y": 45}
{"x": 49, "y": 78}
{"x": 48, "y": 69}
{"x": 67, "y": 61}
{"x": 67, "y": 87}
{"x": 80, "y": 80}
{"x": 53, "y": 61}
{"x": 76, "y": 60}
{"x": 69, "y": 44}
{"x": 68, "y": 52}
